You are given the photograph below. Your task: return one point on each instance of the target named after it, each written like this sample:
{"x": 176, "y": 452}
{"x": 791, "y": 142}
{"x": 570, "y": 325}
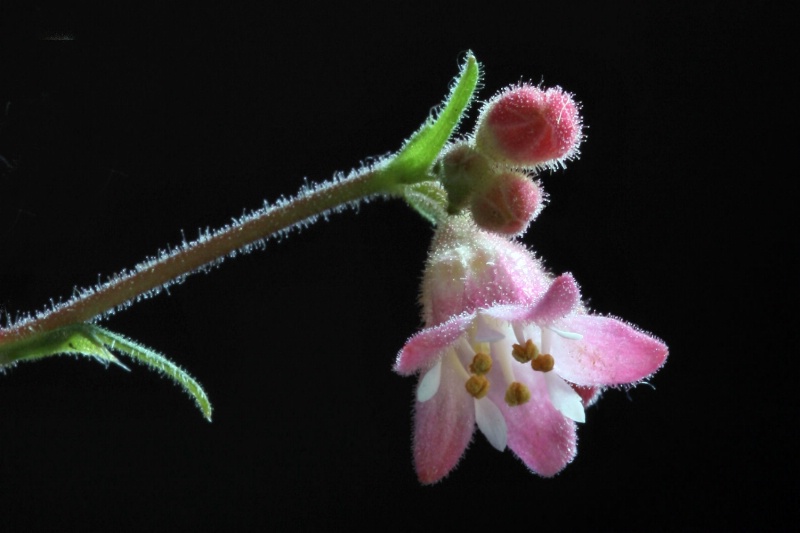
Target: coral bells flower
{"x": 510, "y": 349}
{"x": 527, "y": 127}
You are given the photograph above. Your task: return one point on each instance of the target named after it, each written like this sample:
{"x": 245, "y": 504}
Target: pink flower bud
{"x": 525, "y": 126}
{"x": 508, "y": 205}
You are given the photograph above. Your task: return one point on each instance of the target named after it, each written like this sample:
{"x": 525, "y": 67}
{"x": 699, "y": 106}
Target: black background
{"x": 153, "y": 120}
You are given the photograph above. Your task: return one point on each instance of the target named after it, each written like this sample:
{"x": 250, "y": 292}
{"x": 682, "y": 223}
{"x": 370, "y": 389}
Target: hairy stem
{"x": 189, "y": 258}
{"x": 406, "y": 174}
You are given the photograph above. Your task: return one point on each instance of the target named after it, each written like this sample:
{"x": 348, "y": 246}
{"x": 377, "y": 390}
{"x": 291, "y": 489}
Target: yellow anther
{"x": 517, "y": 394}
{"x": 543, "y": 363}
{"x": 526, "y": 352}
{"x": 481, "y": 364}
{"x": 477, "y": 386}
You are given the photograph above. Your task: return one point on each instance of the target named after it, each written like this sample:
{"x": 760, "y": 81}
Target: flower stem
{"x": 406, "y": 174}
{"x": 187, "y": 259}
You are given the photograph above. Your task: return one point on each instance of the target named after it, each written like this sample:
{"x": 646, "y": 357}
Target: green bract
{"x": 93, "y": 341}
{"x": 413, "y": 162}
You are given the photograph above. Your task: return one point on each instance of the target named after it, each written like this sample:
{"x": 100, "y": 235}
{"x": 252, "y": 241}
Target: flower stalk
{"x": 193, "y": 256}
{"x": 69, "y": 327}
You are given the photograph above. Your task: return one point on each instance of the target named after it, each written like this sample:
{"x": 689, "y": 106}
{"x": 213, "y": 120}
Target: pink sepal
{"x": 443, "y": 427}
{"x": 538, "y": 434}
{"x": 611, "y": 352}
{"x": 422, "y": 349}
{"x": 561, "y": 298}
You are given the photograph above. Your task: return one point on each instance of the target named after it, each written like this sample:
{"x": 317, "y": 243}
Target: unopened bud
{"x": 463, "y": 170}
{"x": 507, "y": 207}
{"x": 527, "y": 127}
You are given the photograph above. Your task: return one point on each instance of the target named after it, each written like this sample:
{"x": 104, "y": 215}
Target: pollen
{"x": 477, "y": 386}
{"x": 481, "y": 364}
{"x": 543, "y": 363}
{"x": 517, "y": 394}
{"x": 526, "y": 352}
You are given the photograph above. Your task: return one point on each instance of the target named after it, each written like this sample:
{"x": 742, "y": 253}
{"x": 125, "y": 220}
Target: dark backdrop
{"x": 153, "y": 120}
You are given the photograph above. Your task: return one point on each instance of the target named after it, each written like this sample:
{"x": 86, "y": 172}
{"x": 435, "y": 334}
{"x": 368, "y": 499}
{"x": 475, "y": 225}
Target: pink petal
{"x": 541, "y": 436}
{"x": 422, "y": 349}
{"x": 611, "y": 352}
{"x": 443, "y": 427}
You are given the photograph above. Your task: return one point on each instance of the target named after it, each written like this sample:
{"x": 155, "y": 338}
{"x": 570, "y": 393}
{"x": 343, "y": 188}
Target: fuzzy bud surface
{"x": 525, "y": 126}
{"x": 509, "y": 205}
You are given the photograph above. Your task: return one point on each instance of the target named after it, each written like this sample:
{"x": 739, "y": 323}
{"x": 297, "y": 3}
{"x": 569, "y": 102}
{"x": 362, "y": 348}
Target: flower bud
{"x": 463, "y": 170}
{"x": 527, "y": 127}
{"x": 507, "y": 207}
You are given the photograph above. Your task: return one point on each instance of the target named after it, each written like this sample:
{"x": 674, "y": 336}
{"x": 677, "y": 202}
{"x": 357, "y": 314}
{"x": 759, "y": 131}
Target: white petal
{"x": 567, "y": 334}
{"x": 485, "y": 332}
{"x": 429, "y": 383}
{"x": 564, "y": 398}
{"x": 491, "y": 423}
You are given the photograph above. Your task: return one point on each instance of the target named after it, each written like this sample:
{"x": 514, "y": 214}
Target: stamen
{"x": 500, "y": 353}
{"x": 547, "y": 337}
{"x": 481, "y": 364}
{"x": 517, "y": 394}
{"x": 456, "y": 364}
{"x": 477, "y": 386}
{"x": 518, "y": 332}
{"x": 543, "y": 363}
{"x": 464, "y": 350}
{"x": 525, "y": 353}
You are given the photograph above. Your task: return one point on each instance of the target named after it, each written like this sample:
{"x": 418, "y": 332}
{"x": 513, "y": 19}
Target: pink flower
{"x": 511, "y": 349}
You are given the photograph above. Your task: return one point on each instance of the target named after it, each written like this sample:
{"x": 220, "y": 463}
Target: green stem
{"x": 193, "y": 256}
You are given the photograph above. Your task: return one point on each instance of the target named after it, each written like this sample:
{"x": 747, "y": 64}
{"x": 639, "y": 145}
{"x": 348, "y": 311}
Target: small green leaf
{"x": 93, "y": 341}
{"x": 74, "y": 339}
{"x": 157, "y": 362}
{"x": 415, "y": 158}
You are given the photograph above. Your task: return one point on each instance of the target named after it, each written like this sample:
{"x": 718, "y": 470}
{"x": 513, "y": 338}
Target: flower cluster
{"x": 508, "y": 347}
{"x": 523, "y": 129}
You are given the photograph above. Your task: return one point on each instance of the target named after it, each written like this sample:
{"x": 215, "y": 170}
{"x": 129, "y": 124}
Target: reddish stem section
{"x": 197, "y": 254}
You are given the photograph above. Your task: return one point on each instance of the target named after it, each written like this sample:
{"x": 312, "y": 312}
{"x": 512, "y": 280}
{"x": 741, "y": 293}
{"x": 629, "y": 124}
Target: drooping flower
{"x": 511, "y": 349}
